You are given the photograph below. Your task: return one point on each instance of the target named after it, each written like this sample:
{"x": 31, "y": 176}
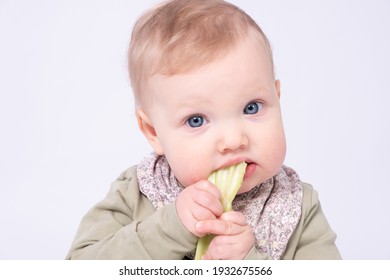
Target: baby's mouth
{"x": 250, "y": 169}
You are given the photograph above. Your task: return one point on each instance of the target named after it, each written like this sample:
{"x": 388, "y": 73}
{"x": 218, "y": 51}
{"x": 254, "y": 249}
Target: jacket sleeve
{"x": 126, "y": 226}
{"x": 316, "y": 238}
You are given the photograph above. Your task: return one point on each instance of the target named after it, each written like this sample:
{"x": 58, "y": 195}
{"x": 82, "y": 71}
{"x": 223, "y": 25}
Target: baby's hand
{"x": 234, "y": 237}
{"x": 198, "y": 202}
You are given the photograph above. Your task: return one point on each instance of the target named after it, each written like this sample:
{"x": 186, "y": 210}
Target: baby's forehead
{"x": 179, "y": 63}
{"x": 185, "y": 60}
{"x": 246, "y": 67}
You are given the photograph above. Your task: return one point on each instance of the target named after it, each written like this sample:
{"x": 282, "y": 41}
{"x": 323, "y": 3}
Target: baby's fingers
{"x": 234, "y": 217}
{"x": 219, "y": 227}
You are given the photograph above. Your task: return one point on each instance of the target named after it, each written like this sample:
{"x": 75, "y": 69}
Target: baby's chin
{"x": 253, "y": 181}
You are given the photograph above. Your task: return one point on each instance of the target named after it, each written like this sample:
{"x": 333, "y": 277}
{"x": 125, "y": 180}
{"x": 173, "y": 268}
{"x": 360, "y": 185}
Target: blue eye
{"x": 195, "y": 121}
{"x": 252, "y": 108}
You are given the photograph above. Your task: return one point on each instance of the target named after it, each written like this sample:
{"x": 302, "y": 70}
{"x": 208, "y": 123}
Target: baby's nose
{"x": 232, "y": 139}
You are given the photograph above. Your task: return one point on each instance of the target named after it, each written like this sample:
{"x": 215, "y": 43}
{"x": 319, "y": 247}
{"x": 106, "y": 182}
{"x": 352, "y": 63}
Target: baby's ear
{"x": 146, "y": 126}
{"x": 277, "y": 86}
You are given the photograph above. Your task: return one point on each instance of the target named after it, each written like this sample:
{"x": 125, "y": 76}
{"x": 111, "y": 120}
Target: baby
{"x": 206, "y": 98}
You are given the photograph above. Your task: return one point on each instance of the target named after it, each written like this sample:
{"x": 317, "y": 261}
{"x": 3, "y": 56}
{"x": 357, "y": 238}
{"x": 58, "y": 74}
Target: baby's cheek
{"x": 277, "y": 155}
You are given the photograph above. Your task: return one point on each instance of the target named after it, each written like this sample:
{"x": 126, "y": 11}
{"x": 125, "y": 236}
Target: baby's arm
{"x": 125, "y": 225}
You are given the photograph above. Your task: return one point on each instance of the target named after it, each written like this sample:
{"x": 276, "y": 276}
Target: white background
{"x": 67, "y": 122}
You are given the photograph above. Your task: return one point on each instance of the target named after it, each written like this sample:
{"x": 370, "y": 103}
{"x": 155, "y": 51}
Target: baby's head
{"x": 205, "y": 92}
{"x": 182, "y": 35}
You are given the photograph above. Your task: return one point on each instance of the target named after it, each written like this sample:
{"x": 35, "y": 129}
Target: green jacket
{"x": 125, "y": 225}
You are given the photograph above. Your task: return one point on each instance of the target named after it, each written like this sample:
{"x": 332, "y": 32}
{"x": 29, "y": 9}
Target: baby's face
{"x": 223, "y": 113}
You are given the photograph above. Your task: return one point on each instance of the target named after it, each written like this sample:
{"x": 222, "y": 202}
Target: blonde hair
{"x": 178, "y": 36}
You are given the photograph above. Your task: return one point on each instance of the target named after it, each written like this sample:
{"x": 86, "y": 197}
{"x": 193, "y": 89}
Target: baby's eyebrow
{"x": 185, "y": 110}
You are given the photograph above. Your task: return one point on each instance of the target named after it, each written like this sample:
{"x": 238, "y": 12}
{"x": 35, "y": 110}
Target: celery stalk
{"x": 228, "y": 180}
